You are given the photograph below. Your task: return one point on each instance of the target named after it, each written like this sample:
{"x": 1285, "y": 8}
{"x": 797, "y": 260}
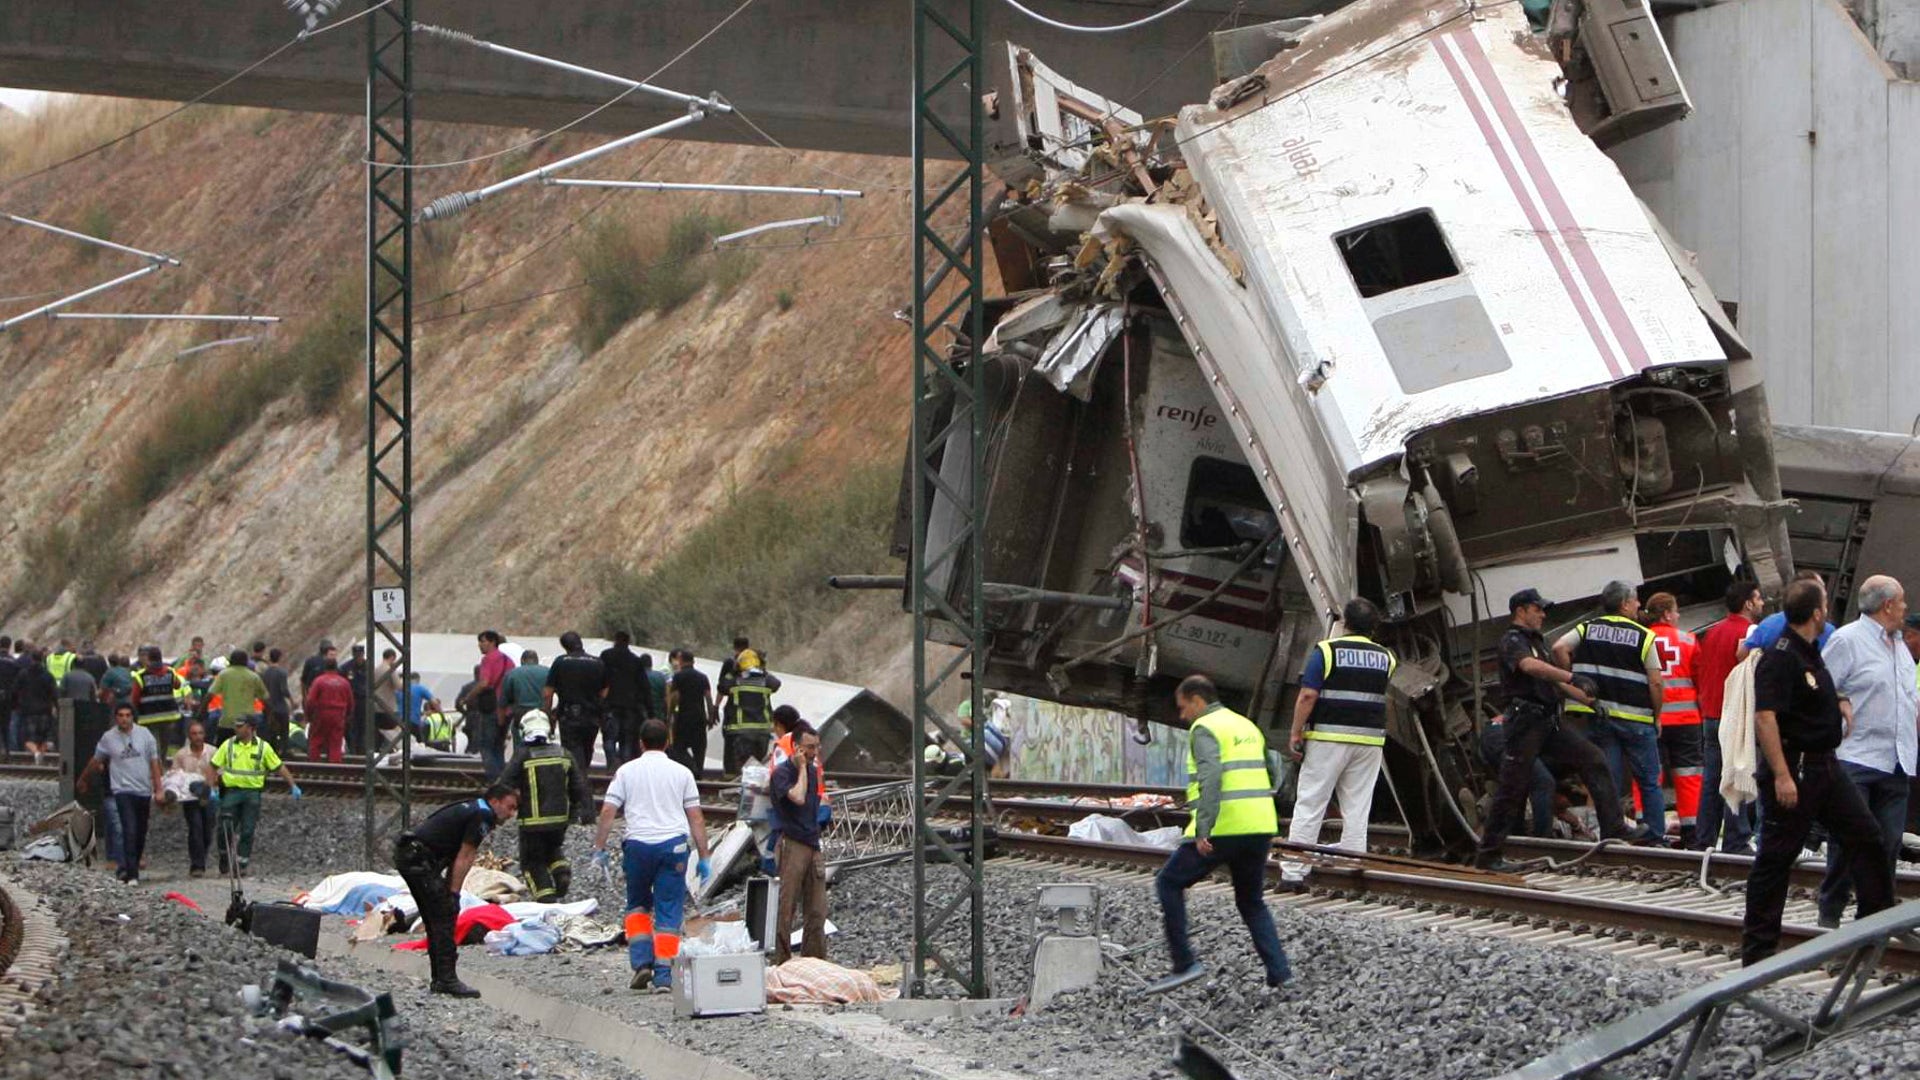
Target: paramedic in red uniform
{"x": 1681, "y": 749}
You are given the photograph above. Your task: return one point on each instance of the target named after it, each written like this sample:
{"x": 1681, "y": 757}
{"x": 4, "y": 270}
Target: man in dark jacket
{"x": 628, "y": 698}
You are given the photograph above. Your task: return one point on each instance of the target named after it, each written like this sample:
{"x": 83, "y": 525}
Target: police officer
{"x": 1617, "y": 653}
{"x": 1232, "y": 823}
{"x": 157, "y": 690}
{"x": 1340, "y": 731}
{"x": 1797, "y": 724}
{"x": 433, "y": 859}
{"x": 1533, "y": 686}
{"x": 748, "y": 730}
{"x": 574, "y": 695}
{"x": 552, "y": 793}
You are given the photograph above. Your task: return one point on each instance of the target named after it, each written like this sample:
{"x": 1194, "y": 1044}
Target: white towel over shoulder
{"x": 1739, "y": 754}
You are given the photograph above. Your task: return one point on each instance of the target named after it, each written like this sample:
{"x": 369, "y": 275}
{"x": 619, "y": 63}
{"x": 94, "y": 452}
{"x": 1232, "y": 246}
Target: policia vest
{"x": 158, "y": 701}
{"x": 1352, "y": 707}
{"x": 1613, "y": 653}
{"x": 753, "y": 707}
{"x": 1246, "y": 791}
{"x": 545, "y": 781}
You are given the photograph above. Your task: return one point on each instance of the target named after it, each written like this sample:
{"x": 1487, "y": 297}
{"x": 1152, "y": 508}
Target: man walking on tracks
{"x": 329, "y": 709}
{"x": 243, "y": 763}
{"x": 690, "y": 700}
{"x": 628, "y": 700}
{"x": 1798, "y": 723}
{"x": 1230, "y": 797}
{"x": 1340, "y": 731}
{"x": 1616, "y": 652}
{"x": 575, "y": 695}
{"x": 661, "y": 803}
{"x": 553, "y": 792}
{"x": 1533, "y": 686}
{"x": 433, "y": 859}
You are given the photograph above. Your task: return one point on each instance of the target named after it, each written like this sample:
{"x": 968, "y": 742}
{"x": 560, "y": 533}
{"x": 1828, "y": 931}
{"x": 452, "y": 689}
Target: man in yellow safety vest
{"x": 242, "y": 764}
{"x": 1230, "y": 800}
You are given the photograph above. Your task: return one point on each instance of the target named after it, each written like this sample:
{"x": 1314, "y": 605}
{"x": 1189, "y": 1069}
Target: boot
{"x": 445, "y": 981}
{"x": 453, "y": 987}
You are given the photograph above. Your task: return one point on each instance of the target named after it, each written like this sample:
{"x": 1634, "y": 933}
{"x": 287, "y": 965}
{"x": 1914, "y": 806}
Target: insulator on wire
{"x": 445, "y": 33}
{"x": 448, "y": 205}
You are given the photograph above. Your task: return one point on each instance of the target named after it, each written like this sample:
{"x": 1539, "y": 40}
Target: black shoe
{"x": 1828, "y": 922}
{"x": 1175, "y": 980}
{"x": 641, "y": 978}
{"x": 453, "y": 988}
{"x": 1275, "y": 984}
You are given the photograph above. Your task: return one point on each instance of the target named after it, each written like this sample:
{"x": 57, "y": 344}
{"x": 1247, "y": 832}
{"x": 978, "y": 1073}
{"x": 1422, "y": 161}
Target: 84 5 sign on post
{"x": 389, "y": 606}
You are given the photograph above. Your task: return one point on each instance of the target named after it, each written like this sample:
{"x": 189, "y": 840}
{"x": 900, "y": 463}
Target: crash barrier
{"x": 1857, "y": 948}
{"x": 337, "y": 1008}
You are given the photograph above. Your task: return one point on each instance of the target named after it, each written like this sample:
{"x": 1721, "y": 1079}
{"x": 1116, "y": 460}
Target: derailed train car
{"x": 1379, "y": 319}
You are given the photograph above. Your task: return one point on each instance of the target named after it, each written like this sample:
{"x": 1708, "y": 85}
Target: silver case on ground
{"x": 719, "y": 985}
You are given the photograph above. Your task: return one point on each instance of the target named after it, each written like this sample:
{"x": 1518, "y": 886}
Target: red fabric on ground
{"x": 178, "y": 899}
{"x": 470, "y": 928}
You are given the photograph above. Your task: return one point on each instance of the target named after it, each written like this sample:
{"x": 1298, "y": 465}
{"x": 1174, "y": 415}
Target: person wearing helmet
{"x": 553, "y": 791}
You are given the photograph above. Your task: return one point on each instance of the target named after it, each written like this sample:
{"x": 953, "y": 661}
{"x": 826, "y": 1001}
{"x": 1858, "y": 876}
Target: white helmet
{"x": 217, "y": 665}
{"x": 535, "y": 726}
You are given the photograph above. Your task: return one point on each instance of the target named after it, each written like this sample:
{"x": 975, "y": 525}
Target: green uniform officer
{"x": 242, "y": 764}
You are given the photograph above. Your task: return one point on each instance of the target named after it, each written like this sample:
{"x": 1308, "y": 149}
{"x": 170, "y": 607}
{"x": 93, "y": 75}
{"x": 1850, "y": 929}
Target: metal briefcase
{"x": 719, "y": 985}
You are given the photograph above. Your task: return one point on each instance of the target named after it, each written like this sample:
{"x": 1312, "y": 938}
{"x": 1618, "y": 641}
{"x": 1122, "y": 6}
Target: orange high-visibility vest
{"x": 1676, "y": 649}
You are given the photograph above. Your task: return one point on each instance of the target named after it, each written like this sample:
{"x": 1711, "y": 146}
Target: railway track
{"x": 1642, "y": 902}
{"x": 1044, "y": 808}
{"x": 1680, "y": 926}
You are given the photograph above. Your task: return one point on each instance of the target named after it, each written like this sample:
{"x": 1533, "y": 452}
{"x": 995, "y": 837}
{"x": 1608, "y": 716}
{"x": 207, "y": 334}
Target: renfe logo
{"x": 1195, "y": 419}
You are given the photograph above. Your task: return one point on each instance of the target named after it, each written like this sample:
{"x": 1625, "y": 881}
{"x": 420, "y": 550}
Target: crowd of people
{"x": 204, "y": 735}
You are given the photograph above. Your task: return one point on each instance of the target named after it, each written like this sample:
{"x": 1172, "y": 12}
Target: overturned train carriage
{"x": 1376, "y": 321}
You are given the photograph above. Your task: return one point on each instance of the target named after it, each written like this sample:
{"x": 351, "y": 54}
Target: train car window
{"x": 1395, "y": 253}
{"x": 1225, "y": 506}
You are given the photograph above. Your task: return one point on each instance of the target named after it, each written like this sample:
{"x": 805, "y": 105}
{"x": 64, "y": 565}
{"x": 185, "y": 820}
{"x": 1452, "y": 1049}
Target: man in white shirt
{"x": 661, "y": 804}
{"x": 1874, "y": 675}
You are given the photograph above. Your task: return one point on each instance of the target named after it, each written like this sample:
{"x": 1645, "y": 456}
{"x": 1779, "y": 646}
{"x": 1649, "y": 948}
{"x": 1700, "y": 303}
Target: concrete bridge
{"x": 817, "y": 74}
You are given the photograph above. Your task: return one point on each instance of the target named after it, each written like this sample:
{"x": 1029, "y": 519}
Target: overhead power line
{"x": 304, "y": 35}
{"x": 576, "y": 121}
{"x": 1114, "y": 29}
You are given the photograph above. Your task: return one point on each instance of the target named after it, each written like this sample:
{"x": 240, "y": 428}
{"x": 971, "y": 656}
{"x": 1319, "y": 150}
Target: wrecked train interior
{"x": 1311, "y": 339}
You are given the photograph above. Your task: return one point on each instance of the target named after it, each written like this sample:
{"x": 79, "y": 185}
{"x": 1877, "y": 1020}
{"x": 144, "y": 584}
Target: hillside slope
{"x": 541, "y": 465}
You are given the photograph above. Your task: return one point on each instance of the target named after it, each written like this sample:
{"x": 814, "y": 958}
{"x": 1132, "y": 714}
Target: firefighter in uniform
{"x": 242, "y": 764}
{"x": 1682, "y": 749}
{"x": 157, "y": 690}
{"x": 1616, "y": 652}
{"x": 749, "y": 730}
{"x": 1230, "y": 796}
{"x": 552, "y": 793}
{"x": 1340, "y": 731}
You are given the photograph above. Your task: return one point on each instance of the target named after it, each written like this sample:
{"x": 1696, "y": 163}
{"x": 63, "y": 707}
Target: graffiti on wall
{"x": 1090, "y": 746}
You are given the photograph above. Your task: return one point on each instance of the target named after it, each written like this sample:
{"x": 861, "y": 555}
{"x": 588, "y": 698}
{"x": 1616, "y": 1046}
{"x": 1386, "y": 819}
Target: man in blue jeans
{"x": 131, "y": 757}
{"x": 661, "y": 804}
{"x": 1874, "y": 675}
{"x": 1232, "y": 824}
{"x": 1616, "y": 652}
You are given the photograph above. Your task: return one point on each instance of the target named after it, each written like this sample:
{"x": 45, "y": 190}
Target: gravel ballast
{"x": 1369, "y": 999}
